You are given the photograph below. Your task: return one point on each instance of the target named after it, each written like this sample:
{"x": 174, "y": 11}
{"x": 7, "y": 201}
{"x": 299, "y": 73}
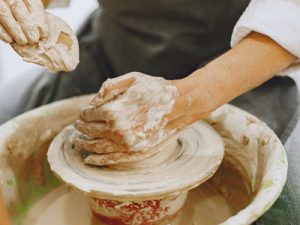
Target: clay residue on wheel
{"x": 221, "y": 197}
{"x": 24, "y": 143}
{"x": 27, "y": 159}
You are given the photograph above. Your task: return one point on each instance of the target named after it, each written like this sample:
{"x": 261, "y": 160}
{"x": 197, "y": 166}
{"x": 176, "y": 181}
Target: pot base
{"x": 208, "y": 204}
{"x": 146, "y": 212}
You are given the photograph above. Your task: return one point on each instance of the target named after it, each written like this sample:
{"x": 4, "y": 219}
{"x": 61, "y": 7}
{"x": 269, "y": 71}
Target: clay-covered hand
{"x": 22, "y": 21}
{"x": 58, "y": 52}
{"x": 37, "y": 36}
{"x": 127, "y": 118}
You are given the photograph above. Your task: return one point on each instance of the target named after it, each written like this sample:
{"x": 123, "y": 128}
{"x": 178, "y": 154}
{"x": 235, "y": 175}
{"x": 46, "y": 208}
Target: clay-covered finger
{"x": 98, "y": 130}
{"x": 111, "y": 89}
{"x": 36, "y": 9}
{"x": 10, "y": 24}
{"x": 93, "y": 129}
{"x": 99, "y": 146}
{"x": 119, "y": 157}
{"x": 99, "y": 100}
{"x": 4, "y": 36}
{"x": 91, "y": 114}
{"x": 112, "y": 158}
{"x": 25, "y": 20}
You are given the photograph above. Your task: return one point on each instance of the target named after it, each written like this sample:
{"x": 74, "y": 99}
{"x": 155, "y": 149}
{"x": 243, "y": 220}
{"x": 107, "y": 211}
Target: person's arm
{"x": 253, "y": 61}
{"x": 136, "y": 105}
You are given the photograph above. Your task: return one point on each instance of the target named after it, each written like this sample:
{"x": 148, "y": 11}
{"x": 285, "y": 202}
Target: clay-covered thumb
{"x": 111, "y": 89}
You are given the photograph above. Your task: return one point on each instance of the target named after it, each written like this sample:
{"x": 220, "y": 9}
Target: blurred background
{"x": 11, "y": 65}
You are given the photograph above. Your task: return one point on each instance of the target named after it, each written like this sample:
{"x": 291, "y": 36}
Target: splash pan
{"x": 247, "y": 183}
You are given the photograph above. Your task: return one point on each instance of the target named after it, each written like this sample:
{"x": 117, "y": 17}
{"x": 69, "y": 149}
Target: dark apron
{"x": 169, "y": 38}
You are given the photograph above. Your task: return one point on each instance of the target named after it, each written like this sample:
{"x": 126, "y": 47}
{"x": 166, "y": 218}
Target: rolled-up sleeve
{"x": 278, "y": 19}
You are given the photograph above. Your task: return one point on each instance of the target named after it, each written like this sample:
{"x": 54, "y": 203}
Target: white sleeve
{"x": 278, "y": 19}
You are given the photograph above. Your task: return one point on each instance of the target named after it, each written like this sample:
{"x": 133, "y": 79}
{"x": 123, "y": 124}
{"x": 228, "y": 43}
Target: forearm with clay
{"x": 133, "y": 113}
{"x": 252, "y": 62}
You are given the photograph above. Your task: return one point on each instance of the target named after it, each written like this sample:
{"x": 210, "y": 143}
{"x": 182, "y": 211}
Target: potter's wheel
{"x": 194, "y": 156}
{"x": 252, "y": 150}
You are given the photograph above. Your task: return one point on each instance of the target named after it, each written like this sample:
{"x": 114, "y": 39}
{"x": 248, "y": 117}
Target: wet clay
{"x": 208, "y": 204}
{"x": 124, "y": 125}
{"x": 58, "y": 52}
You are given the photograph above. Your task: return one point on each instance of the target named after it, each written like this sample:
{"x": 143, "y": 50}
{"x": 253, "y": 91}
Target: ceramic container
{"x": 155, "y": 211}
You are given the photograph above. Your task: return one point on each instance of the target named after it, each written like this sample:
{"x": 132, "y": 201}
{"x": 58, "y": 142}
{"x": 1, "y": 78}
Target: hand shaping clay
{"x": 127, "y": 123}
{"x": 59, "y": 52}
{"x": 179, "y": 165}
